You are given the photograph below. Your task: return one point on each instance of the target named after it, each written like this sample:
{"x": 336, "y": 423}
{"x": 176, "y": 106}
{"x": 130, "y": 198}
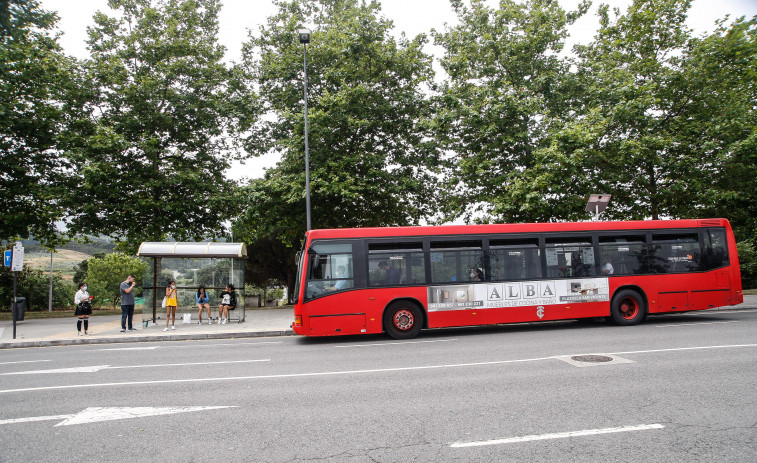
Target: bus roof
{"x": 445, "y": 230}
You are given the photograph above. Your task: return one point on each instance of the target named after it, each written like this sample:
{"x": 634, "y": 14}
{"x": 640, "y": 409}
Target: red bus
{"x": 401, "y": 280}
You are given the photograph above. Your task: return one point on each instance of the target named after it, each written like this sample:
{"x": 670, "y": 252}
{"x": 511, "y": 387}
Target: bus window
{"x": 715, "y": 249}
{"x": 457, "y": 261}
{"x": 675, "y": 253}
{"x": 626, "y": 255}
{"x": 391, "y": 264}
{"x": 514, "y": 259}
{"x": 569, "y": 257}
{"x": 331, "y": 269}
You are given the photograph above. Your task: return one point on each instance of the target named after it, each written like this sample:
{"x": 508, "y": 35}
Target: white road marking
{"x": 96, "y": 368}
{"x": 35, "y": 418}
{"x": 558, "y": 435}
{"x": 96, "y": 414}
{"x": 130, "y": 348}
{"x": 389, "y": 344}
{"x": 24, "y": 361}
{"x": 676, "y": 325}
{"x": 344, "y": 372}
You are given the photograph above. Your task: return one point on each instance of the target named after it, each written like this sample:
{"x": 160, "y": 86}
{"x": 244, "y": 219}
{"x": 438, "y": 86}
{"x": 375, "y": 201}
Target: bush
{"x": 105, "y": 275}
{"x": 748, "y": 263}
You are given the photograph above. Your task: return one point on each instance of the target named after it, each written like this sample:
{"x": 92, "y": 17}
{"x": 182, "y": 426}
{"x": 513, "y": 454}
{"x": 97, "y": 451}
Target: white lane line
{"x": 676, "y": 325}
{"x": 129, "y": 348}
{"x": 385, "y": 344}
{"x": 187, "y": 364}
{"x": 558, "y": 435}
{"x": 24, "y": 361}
{"x": 96, "y": 368}
{"x": 195, "y": 346}
{"x": 345, "y": 372}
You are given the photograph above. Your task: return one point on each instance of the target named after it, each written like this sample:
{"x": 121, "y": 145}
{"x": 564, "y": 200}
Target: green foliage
{"x": 153, "y": 166}
{"x": 37, "y": 114}
{"x": 372, "y": 157}
{"x": 507, "y": 90}
{"x": 34, "y": 285}
{"x": 748, "y": 263}
{"x": 105, "y": 275}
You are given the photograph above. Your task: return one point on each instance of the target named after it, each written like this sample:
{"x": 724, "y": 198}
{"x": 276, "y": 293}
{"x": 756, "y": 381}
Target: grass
{"x": 750, "y": 292}
{"x": 57, "y": 313}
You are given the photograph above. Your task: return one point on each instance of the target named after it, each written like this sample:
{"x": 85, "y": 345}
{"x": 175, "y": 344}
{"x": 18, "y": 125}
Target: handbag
{"x": 83, "y": 308}
{"x": 163, "y": 304}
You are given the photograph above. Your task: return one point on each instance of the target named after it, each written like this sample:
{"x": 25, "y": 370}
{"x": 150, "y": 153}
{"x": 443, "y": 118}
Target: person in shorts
{"x": 172, "y": 303}
{"x": 202, "y": 300}
{"x": 228, "y": 302}
{"x": 82, "y": 300}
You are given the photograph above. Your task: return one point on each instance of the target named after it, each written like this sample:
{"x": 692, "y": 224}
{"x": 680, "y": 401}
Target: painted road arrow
{"x": 91, "y": 369}
{"x": 97, "y": 414}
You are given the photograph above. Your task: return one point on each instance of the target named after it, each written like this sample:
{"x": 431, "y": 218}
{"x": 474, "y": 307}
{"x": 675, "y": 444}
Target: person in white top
{"x": 608, "y": 269}
{"x": 83, "y": 302}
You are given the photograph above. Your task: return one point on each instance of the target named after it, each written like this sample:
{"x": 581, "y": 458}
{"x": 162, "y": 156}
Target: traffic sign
{"x": 17, "y": 261}
{"x": 8, "y": 255}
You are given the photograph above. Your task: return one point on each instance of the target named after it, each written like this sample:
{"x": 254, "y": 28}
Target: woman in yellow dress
{"x": 171, "y": 304}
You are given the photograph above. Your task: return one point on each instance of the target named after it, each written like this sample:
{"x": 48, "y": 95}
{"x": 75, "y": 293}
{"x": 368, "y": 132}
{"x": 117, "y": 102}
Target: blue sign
{"x": 8, "y": 256}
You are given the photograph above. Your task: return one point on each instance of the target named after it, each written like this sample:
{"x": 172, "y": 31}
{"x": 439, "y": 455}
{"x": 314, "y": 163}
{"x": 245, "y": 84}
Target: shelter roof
{"x": 192, "y": 250}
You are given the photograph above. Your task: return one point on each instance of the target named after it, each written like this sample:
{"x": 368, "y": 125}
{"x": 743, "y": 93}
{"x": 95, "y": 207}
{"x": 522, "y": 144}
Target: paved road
{"x": 677, "y": 388}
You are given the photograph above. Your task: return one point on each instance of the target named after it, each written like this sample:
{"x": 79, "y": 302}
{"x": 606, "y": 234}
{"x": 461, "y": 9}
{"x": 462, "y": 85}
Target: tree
{"x": 105, "y": 275}
{"x": 371, "y": 151}
{"x": 38, "y": 98}
{"x": 665, "y": 121}
{"x": 507, "y": 87}
{"x": 153, "y": 167}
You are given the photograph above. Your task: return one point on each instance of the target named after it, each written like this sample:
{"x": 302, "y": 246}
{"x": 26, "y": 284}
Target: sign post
{"x": 17, "y": 265}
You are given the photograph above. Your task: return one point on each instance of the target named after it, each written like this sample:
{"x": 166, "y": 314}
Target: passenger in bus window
{"x": 392, "y": 274}
{"x": 476, "y": 274}
{"x": 608, "y": 269}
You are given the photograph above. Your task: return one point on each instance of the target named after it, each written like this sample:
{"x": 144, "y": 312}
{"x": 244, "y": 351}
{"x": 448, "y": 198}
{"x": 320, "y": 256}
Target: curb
{"x": 120, "y": 340}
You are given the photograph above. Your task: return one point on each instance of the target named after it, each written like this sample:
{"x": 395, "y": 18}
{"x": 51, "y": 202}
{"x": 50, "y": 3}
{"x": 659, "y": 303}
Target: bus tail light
{"x": 298, "y": 320}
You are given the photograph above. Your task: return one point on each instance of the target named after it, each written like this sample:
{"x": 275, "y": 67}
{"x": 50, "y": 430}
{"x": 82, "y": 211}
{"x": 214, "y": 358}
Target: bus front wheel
{"x": 403, "y": 320}
{"x": 628, "y": 308}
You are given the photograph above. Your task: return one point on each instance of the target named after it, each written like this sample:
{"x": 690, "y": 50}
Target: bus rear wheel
{"x": 628, "y": 308}
{"x": 403, "y": 320}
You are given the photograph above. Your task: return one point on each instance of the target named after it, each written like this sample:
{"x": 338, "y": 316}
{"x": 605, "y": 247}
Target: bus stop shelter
{"x": 191, "y": 265}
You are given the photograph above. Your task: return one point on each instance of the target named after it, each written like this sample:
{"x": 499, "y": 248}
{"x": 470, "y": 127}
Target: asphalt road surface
{"x": 676, "y": 388}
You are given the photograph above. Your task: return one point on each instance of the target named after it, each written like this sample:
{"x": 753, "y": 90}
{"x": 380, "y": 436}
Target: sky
{"x": 412, "y": 17}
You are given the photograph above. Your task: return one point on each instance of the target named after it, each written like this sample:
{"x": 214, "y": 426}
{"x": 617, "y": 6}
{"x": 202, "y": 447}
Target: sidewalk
{"x": 107, "y": 329}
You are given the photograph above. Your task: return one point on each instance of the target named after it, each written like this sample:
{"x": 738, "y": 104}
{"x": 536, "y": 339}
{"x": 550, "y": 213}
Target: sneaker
{"x": 87, "y": 332}
{"x": 224, "y": 321}
{"x": 199, "y": 322}
{"x": 164, "y": 329}
{"x": 132, "y": 329}
{"x": 123, "y": 330}
{"x": 210, "y": 322}
{"x": 79, "y": 333}
{"x": 173, "y": 327}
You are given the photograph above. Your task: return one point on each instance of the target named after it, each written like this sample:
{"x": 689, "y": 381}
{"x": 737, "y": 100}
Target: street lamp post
{"x": 304, "y": 35}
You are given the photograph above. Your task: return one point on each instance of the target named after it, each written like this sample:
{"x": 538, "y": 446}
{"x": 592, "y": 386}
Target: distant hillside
{"x": 65, "y": 257}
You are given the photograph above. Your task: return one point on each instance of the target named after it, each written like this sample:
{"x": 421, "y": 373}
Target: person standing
{"x": 202, "y": 300}
{"x": 82, "y": 299}
{"x": 171, "y": 304}
{"x": 127, "y": 303}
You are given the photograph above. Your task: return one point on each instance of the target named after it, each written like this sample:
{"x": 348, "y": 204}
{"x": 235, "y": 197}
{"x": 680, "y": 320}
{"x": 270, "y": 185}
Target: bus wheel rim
{"x": 403, "y": 320}
{"x": 629, "y": 308}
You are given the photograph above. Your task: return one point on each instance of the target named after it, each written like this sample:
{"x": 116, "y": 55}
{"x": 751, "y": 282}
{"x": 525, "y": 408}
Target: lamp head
{"x": 304, "y": 35}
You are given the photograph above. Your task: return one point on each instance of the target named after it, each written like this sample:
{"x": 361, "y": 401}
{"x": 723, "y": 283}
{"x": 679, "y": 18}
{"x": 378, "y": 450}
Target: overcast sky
{"x": 410, "y": 16}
